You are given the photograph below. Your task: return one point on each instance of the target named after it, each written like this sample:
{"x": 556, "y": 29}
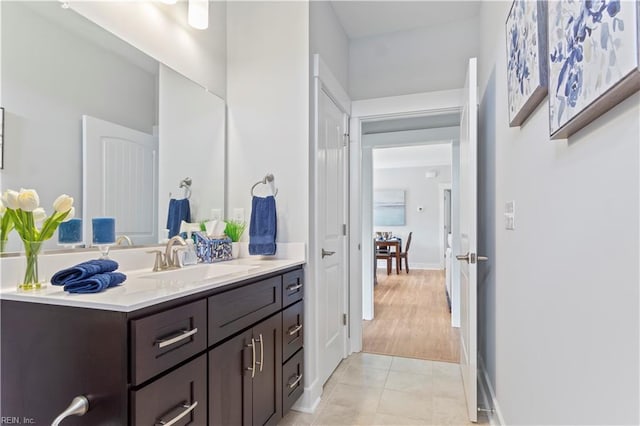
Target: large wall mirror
{"x": 62, "y": 74}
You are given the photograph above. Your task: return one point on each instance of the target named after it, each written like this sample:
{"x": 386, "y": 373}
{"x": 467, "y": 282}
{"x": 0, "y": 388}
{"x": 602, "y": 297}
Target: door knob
{"x": 326, "y": 253}
{"x": 470, "y": 257}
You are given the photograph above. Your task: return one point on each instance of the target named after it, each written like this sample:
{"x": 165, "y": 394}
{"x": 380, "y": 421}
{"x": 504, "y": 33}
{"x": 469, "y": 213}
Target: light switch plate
{"x": 510, "y": 215}
{"x": 238, "y": 214}
{"x": 216, "y": 214}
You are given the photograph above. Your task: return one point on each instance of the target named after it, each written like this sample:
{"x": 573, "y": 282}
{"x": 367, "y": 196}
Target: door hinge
{"x": 344, "y": 229}
{"x": 344, "y": 319}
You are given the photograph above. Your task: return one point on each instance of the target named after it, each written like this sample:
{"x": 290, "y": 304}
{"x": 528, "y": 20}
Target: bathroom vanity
{"x": 226, "y": 350}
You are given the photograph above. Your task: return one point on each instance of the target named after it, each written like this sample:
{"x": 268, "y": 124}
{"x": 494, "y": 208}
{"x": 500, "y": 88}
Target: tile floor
{"x": 368, "y": 389}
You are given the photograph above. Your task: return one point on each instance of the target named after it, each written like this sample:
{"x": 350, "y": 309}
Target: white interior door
{"x": 468, "y": 240}
{"x": 120, "y": 179}
{"x": 331, "y": 252}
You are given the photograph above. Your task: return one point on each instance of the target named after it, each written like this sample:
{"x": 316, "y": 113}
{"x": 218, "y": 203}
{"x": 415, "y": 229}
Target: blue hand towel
{"x": 179, "y": 210}
{"x": 96, "y": 283}
{"x": 262, "y": 228}
{"x": 83, "y": 270}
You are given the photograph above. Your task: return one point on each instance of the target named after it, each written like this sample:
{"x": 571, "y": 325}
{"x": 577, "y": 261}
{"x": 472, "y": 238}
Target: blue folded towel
{"x": 179, "y": 210}
{"x": 83, "y": 270}
{"x": 96, "y": 283}
{"x": 262, "y": 228}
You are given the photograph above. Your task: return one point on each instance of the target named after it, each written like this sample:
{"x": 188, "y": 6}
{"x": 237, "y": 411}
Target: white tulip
{"x": 39, "y": 214}
{"x": 63, "y": 203}
{"x": 3, "y": 209}
{"x": 28, "y": 200}
{"x": 72, "y": 213}
{"x": 10, "y": 199}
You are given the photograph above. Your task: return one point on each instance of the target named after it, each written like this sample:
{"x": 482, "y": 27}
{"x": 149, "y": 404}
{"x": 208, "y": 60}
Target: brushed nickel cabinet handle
{"x": 252, "y": 345}
{"x": 183, "y": 334}
{"x": 188, "y": 408}
{"x": 294, "y": 329}
{"x": 78, "y": 407}
{"x": 261, "y": 352}
{"x": 293, "y": 287}
{"x": 295, "y": 382}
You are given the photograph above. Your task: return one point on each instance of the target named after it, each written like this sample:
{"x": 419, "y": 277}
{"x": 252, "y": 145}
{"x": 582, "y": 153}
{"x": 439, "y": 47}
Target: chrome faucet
{"x": 172, "y": 257}
{"x": 124, "y": 238}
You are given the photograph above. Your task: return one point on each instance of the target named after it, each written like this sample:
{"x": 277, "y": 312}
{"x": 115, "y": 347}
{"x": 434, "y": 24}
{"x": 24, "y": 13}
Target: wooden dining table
{"x": 391, "y": 243}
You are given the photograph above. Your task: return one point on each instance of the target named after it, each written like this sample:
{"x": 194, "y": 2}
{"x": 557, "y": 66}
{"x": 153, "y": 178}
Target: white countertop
{"x": 144, "y": 288}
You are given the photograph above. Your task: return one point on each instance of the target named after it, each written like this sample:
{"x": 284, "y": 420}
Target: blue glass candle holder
{"x": 70, "y": 233}
{"x": 104, "y": 234}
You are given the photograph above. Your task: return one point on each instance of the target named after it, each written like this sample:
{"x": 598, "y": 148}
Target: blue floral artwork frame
{"x": 526, "y": 30}
{"x": 593, "y": 60}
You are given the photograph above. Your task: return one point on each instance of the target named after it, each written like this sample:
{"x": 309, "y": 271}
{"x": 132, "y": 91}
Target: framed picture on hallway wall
{"x": 593, "y": 60}
{"x": 388, "y": 207}
{"x": 526, "y": 30}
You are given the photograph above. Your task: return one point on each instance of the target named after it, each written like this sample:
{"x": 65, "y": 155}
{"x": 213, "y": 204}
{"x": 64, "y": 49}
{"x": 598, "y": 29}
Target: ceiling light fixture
{"x": 198, "y": 15}
{"x": 169, "y": 1}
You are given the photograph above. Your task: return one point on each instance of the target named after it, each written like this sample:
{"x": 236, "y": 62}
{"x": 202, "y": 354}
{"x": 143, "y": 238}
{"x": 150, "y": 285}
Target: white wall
{"x": 421, "y": 60}
{"x": 419, "y": 191}
{"x": 162, "y": 32}
{"x": 327, "y": 37}
{"x": 191, "y": 143}
{"x": 45, "y": 95}
{"x": 268, "y": 108}
{"x": 559, "y": 298}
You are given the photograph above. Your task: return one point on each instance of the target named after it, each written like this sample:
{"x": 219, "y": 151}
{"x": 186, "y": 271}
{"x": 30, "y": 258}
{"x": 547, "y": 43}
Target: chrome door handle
{"x": 78, "y": 407}
{"x": 170, "y": 341}
{"x": 294, "y": 329}
{"x": 260, "y": 339}
{"x": 471, "y": 257}
{"x": 188, "y": 409}
{"x": 252, "y": 345}
{"x": 326, "y": 253}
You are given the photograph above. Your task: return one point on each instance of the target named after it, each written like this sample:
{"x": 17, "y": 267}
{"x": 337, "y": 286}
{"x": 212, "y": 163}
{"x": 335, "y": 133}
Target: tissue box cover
{"x": 211, "y": 250}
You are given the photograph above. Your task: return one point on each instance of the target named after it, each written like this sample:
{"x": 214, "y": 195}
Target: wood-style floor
{"x": 412, "y": 318}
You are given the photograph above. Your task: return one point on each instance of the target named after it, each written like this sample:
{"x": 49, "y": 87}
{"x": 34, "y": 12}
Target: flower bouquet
{"x": 33, "y": 225}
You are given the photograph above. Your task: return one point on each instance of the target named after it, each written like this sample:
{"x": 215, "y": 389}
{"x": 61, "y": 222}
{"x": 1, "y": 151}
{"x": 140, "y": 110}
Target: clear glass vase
{"x": 31, "y": 280}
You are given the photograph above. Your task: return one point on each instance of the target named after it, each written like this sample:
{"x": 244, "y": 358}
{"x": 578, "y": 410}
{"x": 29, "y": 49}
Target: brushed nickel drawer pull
{"x": 170, "y": 341}
{"x": 293, "y": 287}
{"x": 252, "y": 345}
{"x": 261, "y": 352}
{"x": 295, "y": 382}
{"x": 189, "y": 408}
{"x": 294, "y": 329}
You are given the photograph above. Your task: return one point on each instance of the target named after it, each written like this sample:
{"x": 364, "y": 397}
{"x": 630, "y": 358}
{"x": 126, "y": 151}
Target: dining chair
{"x": 384, "y": 254}
{"x": 405, "y": 254}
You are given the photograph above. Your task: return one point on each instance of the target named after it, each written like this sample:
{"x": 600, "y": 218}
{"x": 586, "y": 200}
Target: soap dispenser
{"x": 189, "y": 254}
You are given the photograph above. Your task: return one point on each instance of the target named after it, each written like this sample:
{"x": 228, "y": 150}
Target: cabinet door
{"x": 267, "y": 383}
{"x": 230, "y": 382}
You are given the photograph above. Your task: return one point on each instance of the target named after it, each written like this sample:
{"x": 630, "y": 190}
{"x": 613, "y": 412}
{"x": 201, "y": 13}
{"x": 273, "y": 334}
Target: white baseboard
{"x": 310, "y": 398}
{"x": 488, "y": 396}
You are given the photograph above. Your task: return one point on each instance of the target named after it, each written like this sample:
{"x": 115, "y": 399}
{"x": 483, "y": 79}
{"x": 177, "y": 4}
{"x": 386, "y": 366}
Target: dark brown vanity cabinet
{"x": 245, "y": 376}
{"x": 227, "y": 356}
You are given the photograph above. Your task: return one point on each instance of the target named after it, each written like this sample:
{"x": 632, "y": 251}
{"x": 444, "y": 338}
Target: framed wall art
{"x": 593, "y": 60}
{"x": 388, "y": 207}
{"x": 526, "y": 30}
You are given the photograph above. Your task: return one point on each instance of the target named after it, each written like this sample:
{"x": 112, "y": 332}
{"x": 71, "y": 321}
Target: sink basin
{"x": 199, "y": 272}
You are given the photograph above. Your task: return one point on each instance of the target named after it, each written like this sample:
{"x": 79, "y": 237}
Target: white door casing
{"x": 331, "y": 240}
{"x": 468, "y": 240}
{"x": 120, "y": 179}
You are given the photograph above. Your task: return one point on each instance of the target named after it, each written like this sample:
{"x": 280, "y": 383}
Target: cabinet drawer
{"x": 236, "y": 309}
{"x": 292, "y": 287}
{"x": 292, "y": 381}
{"x": 180, "y": 395}
{"x": 292, "y": 329}
{"x": 162, "y": 340}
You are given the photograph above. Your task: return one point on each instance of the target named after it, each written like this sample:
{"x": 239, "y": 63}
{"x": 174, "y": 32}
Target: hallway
{"x": 368, "y": 389}
{"x": 412, "y": 318}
